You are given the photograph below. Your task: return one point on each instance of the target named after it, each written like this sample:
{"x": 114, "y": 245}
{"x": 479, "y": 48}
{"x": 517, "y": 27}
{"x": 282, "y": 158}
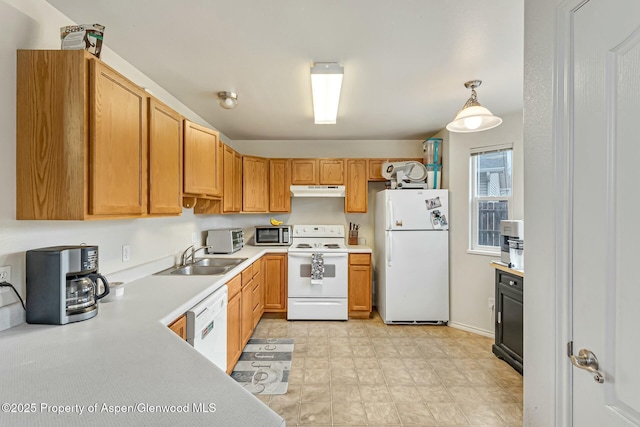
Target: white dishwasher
{"x": 207, "y": 327}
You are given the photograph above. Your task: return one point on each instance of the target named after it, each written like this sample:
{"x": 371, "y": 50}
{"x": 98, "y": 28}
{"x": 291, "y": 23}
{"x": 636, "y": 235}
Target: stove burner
{"x": 303, "y": 246}
{"x": 332, "y": 246}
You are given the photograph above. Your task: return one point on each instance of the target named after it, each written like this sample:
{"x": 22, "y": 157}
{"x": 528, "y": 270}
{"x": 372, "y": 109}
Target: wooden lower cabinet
{"x": 359, "y": 285}
{"x": 509, "y": 319}
{"x": 247, "y": 312}
{"x": 275, "y": 283}
{"x": 179, "y": 326}
{"x": 234, "y": 322}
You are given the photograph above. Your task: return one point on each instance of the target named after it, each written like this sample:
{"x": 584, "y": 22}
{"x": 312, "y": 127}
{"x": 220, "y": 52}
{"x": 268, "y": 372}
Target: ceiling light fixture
{"x": 326, "y": 82}
{"x": 228, "y": 100}
{"x": 473, "y": 117}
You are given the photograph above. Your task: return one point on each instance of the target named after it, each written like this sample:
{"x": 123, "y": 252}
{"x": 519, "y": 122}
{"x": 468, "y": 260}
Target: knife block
{"x": 353, "y": 237}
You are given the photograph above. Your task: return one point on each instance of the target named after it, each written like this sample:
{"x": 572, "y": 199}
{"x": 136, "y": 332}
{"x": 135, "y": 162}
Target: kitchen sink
{"x": 203, "y": 267}
{"x": 218, "y": 262}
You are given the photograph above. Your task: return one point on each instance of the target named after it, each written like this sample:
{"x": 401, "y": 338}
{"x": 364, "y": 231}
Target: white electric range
{"x": 318, "y": 273}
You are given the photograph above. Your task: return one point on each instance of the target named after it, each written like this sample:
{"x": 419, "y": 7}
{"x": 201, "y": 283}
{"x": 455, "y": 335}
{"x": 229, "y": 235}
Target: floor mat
{"x": 264, "y": 365}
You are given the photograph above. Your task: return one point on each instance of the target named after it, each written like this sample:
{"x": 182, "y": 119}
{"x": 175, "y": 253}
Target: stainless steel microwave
{"x": 269, "y": 235}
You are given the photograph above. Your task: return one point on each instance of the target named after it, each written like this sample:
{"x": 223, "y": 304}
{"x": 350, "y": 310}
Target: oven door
{"x": 334, "y": 284}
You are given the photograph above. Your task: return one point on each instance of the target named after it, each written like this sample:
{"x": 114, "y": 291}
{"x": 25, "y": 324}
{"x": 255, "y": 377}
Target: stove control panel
{"x": 318, "y": 231}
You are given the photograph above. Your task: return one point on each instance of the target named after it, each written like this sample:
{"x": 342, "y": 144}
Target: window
{"x": 490, "y": 196}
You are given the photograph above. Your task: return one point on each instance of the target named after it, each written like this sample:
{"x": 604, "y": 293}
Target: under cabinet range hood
{"x": 317, "y": 190}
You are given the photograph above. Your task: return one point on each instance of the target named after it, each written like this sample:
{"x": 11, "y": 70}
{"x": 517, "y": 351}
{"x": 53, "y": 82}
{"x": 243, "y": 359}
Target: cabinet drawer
{"x": 256, "y": 296}
{"x": 247, "y": 275}
{"x": 234, "y": 286}
{"x": 359, "y": 259}
{"x": 509, "y": 280}
{"x": 257, "y": 267}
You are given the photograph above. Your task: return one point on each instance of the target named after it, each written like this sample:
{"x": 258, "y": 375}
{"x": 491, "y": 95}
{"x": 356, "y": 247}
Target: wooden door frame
{"x": 563, "y": 142}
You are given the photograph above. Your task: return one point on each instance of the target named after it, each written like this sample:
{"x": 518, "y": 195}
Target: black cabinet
{"x": 509, "y": 315}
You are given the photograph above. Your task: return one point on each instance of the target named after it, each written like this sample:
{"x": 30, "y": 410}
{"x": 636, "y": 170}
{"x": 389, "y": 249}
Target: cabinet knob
{"x": 511, "y": 282}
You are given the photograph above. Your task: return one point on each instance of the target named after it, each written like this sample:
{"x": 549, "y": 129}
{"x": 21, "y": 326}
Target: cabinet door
{"x": 165, "y": 159}
{"x": 279, "y": 182}
{"x": 200, "y": 160}
{"x": 247, "y": 312}
{"x": 179, "y": 326}
{"x": 254, "y": 184}
{"x": 234, "y": 331}
{"x": 275, "y": 282}
{"x": 229, "y": 180}
{"x": 304, "y": 171}
{"x": 359, "y": 284}
{"x": 356, "y": 200}
{"x": 509, "y": 327}
{"x": 237, "y": 178}
{"x": 331, "y": 171}
{"x": 117, "y": 144}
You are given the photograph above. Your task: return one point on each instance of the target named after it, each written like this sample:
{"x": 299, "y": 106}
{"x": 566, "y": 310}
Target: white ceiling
{"x": 405, "y": 61}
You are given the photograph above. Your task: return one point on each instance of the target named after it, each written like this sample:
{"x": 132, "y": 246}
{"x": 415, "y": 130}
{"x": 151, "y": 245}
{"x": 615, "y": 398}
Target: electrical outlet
{"x": 492, "y": 303}
{"x": 194, "y": 238}
{"x": 126, "y": 253}
{"x": 5, "y": 276}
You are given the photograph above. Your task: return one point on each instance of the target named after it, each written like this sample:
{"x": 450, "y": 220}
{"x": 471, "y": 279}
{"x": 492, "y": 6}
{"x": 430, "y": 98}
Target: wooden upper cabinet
{"x": 255, "y": 184}
{"x": 201, "y": 161}
{"x": 232, "y": 181}
{"x": 81, "y": 139}
{"x": 279, "y": 182}
{"x": 117, "y": 144}
{"x": 304, "y": 171}
{"x": 331, "y": 171}
{"x": 356, "y": 200}
{"x": 237, "y": 177}
{"x": 165, "y": 159}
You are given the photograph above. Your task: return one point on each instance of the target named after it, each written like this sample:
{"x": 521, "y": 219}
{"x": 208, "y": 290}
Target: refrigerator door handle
{"x": 389, "y": 249}
{"x": 389, "y": 214}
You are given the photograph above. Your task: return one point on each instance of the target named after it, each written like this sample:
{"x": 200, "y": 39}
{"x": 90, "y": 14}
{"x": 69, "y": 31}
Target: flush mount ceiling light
{"x": 228, "y": 100}
{"x": 473, "y": 117}
{"x": 326, "y": 82}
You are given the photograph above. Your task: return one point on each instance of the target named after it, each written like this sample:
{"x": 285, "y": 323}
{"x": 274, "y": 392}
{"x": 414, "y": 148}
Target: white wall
{"x": 34, "y": 24}
{"x": 471, "y": 278}
{"x": 539, "y": 291}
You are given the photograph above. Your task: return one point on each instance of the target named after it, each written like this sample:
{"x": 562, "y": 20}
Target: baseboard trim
{"x": 472, "y": 329}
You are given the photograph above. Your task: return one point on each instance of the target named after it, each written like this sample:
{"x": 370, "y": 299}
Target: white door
{"x": 606, "y": 210}
{"x": 417, "y": 209}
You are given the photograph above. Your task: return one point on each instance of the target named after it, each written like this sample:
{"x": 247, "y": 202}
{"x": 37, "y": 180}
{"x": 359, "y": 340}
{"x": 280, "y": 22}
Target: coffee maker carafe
{"x": 62, "y": 284}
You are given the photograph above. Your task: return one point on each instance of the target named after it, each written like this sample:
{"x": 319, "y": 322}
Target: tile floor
{"x": 366, "y": 373}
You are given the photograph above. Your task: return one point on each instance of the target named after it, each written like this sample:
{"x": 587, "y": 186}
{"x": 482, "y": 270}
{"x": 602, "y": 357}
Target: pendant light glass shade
{"x": 473, "y": 117}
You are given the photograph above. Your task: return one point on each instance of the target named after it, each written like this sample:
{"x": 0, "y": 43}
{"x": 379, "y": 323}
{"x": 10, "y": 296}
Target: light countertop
{"x": 124, "y": 363}
{"x": 501, "y": 266}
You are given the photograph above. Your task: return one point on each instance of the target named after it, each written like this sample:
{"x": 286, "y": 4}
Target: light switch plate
{"x": 194, "y": 238}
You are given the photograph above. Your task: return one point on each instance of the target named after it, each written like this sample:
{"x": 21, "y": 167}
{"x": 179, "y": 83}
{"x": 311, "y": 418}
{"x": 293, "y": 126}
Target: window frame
{"x": 474, "y": 200}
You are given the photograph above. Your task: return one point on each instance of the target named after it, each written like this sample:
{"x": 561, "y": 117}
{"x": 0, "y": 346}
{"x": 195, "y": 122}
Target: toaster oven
{"x": 225, "y": 240}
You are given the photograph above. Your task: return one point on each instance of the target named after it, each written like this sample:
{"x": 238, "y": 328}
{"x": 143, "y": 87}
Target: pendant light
{"x": 473, "y": 117}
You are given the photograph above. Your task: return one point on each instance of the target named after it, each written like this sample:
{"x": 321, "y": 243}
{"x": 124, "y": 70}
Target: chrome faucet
{"x": 188, "y": 256}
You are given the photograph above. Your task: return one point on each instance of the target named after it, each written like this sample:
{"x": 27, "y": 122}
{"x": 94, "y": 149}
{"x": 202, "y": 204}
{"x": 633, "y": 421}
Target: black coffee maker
{"x": 62, "y": 284}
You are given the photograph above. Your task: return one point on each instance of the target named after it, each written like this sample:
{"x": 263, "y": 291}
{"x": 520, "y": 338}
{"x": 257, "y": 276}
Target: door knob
{"x": 586, "y": 360}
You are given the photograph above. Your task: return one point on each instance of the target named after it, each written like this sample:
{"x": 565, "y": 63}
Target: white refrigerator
{"x": 412, "y": 256}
